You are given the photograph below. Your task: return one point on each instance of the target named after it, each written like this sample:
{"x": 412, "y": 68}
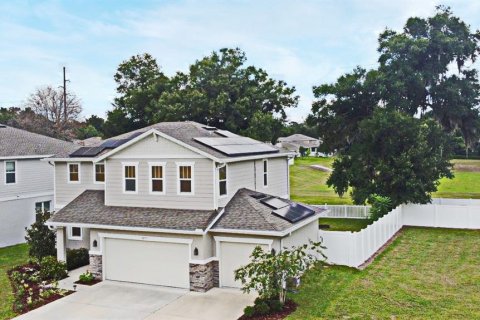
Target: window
{"x": 157, "y": 176}
{"x": 222, "y": 180}
{"x": 10, "y": 172}
{"x": 265, "y": 173}
{"x": 130, "y": 178}
{"x": 42, "y": 206}
{"x": 185, "y": 178}
{"x": 73, "y": 172}
{"x": 75, "y": 233}
{"x": 100, "y": 172}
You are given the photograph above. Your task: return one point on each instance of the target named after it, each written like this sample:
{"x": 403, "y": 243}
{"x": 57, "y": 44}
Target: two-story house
{"x": 26, "y": 183}
{"x": 177, "y": 204}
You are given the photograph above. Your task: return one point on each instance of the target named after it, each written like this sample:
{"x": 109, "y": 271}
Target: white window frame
{"x": 72, "y": 237}
{"x": 265, "y": 172}
{"x": 186, "y": 164}
{"x": 43, "y": 205}
{"x": 150, "y": 177}
{"x": 15, "y": 172}
{"x": 130, "y": 164}
{"x": 226, "y": 182}
{"x": 79, "y": 172}
{"x": 95, "y": 172}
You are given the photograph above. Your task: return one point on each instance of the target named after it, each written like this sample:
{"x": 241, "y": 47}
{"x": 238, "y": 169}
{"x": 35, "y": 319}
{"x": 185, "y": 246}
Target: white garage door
{"x": 149, "y": 262}
{"x": 233, "y": 255}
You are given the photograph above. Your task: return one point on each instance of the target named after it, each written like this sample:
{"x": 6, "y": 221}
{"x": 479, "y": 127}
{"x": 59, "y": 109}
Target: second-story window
{"x": 73, "y": 172}
{"x": 130, "y": 178}
{"x": 222, "y": 180}
{"x": 157, "y": 174}
{"x": 185, "y": 177}
{"x": 100, "y": 172}
{"x": 10, "y": 172}
{"x": 265, "y": 173}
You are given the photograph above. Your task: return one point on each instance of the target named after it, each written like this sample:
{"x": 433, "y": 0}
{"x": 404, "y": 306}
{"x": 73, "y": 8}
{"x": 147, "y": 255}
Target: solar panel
{"x": 237, "y": 146}
{"x": 87, "y": 151}
{"x": 294, "y": 212}
{"x": 274, "y": 203}
{"x": 226, "y": 134}
{"x": 258, "y": 196}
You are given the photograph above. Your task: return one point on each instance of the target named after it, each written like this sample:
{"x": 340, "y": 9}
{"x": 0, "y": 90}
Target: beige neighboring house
{"x": 177, "y": 204}
{"x": 26, "y": 182}
{"x": 295, "y": 141}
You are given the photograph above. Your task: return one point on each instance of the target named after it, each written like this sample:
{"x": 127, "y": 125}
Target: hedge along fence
{"x": 355, "y": 248}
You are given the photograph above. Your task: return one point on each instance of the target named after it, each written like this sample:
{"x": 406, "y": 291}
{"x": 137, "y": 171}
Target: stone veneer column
{"x": 203, "y": 277}
{"x": 96, "y": 266}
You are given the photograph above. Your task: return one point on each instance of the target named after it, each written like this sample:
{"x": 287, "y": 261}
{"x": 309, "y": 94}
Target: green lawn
{"x": 309, "y": 185}
{"x": 9, "y": 258}
{"x": 339, "y": 224}
{"x": 423, "y": 274}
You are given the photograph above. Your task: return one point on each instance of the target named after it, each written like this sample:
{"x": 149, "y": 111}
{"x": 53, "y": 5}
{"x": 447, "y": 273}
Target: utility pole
{"x": 65, "y": 95}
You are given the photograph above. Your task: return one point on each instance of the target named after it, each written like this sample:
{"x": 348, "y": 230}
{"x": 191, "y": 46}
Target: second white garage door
{"x": 233, "y": 255}
{"x": 148, "y": 262}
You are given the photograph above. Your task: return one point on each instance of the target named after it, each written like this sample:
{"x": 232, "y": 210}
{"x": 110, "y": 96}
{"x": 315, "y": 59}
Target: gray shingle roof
{"x": 243, "y": 212}
{"x": 89, "y": 208}
{"x": 297, "y": 137}
{"x": 17, "y": 142}
{"x": 183, "y": 131}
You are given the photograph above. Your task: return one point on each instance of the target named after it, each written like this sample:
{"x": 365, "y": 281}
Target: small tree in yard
{"x": 40, "y": 238}
{"x": 269, "y": 272}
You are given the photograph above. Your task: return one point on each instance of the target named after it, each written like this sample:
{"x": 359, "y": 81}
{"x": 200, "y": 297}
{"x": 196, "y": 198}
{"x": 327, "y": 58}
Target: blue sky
{"x": 305, "y": 43}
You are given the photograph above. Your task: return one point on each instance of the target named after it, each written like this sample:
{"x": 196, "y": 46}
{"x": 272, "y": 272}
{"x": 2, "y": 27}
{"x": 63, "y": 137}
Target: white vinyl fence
{"x": 355, "y": 248}
{"x": 345, "y": 211}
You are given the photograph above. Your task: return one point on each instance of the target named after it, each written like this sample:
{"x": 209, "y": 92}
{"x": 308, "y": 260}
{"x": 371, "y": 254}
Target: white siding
{"x": 15, "y": 216}
{"x": 302, "y": 236}
{"x": 155, "y": 147}
{"x": 277, "y": 177}
{"x": 65, "y": 192}
{"x": 239, "y": 175}
{"x": 32, "y": 177}
{"x": 203, "y": 185}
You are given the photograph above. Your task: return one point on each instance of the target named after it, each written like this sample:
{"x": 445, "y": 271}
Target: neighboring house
{"x": 26, "y": 182}
{"x": 295, "y": 141}
{"x": 177, "y": 204}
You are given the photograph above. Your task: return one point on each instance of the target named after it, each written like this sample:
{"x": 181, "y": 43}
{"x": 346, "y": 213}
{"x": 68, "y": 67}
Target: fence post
{"x": 345, "y": 210}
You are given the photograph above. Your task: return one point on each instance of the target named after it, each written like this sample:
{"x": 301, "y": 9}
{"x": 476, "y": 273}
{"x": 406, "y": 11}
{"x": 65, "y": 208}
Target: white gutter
{"x": 69, "y": 159}
{"x": 258, "y": 156}
{"x": 270, "y": 233}
{"x": 111, "y": 227}
{"x": 26, "y": 157}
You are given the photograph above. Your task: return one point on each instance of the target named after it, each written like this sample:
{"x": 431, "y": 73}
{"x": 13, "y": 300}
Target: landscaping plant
{"x": 52, "y": 269}
{"x": 86, "y": 277}
{"x": 381, "y": 205}
{"x": 77, "y": 258}
{"x": 40, "y": 238}
{"x": 269, "y": 272}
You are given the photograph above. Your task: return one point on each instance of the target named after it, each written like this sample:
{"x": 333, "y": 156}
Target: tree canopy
{"x": 219, "y": 90}
{"x": 393, "y": 126}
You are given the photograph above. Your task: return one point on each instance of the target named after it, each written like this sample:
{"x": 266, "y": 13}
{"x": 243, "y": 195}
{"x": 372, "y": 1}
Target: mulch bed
{"x": 288, "y": 308}
{"x": 91, "y": 283}
{"x": 21, "y": 306}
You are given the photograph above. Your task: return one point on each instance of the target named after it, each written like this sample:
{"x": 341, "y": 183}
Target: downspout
{"x": 255, "y": 175}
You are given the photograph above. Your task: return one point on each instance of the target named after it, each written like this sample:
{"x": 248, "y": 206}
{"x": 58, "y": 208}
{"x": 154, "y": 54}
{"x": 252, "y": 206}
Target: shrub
{"x": 77, "y": 258}
{"x": 40, "y": 238}
{"x": 275, "y": 305}
{"x": 52, "y": 269}
{"x": 86, "y": 277}
{"x": 249, "y": 311}
{"x": 262, "y": 308}
{"x": 380, "y": 206}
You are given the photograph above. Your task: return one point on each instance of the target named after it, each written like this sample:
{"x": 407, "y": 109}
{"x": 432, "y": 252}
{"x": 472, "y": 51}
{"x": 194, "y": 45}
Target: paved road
{"x": 115, "y": 300}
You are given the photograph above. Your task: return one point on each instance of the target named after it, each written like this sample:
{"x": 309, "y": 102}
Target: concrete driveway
{"x": 115, "y": 300}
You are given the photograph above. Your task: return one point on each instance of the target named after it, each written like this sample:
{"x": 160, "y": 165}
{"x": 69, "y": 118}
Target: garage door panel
{"x": 149, "y": 262}
{"x": 234, "y": 255}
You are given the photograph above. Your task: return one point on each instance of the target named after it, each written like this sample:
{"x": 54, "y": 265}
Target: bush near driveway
{"x": 77, "y": 258}
{"x": 426, "y": 273}
{"x": 9, "y": 258}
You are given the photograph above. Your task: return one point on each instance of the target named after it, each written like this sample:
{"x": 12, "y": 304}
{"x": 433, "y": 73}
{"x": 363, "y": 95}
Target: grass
{"x": 309, "y": 185}
{"x": 9, "y": 258}
{"x": 424, "y": 274}
{"x": 339, "y": 224}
